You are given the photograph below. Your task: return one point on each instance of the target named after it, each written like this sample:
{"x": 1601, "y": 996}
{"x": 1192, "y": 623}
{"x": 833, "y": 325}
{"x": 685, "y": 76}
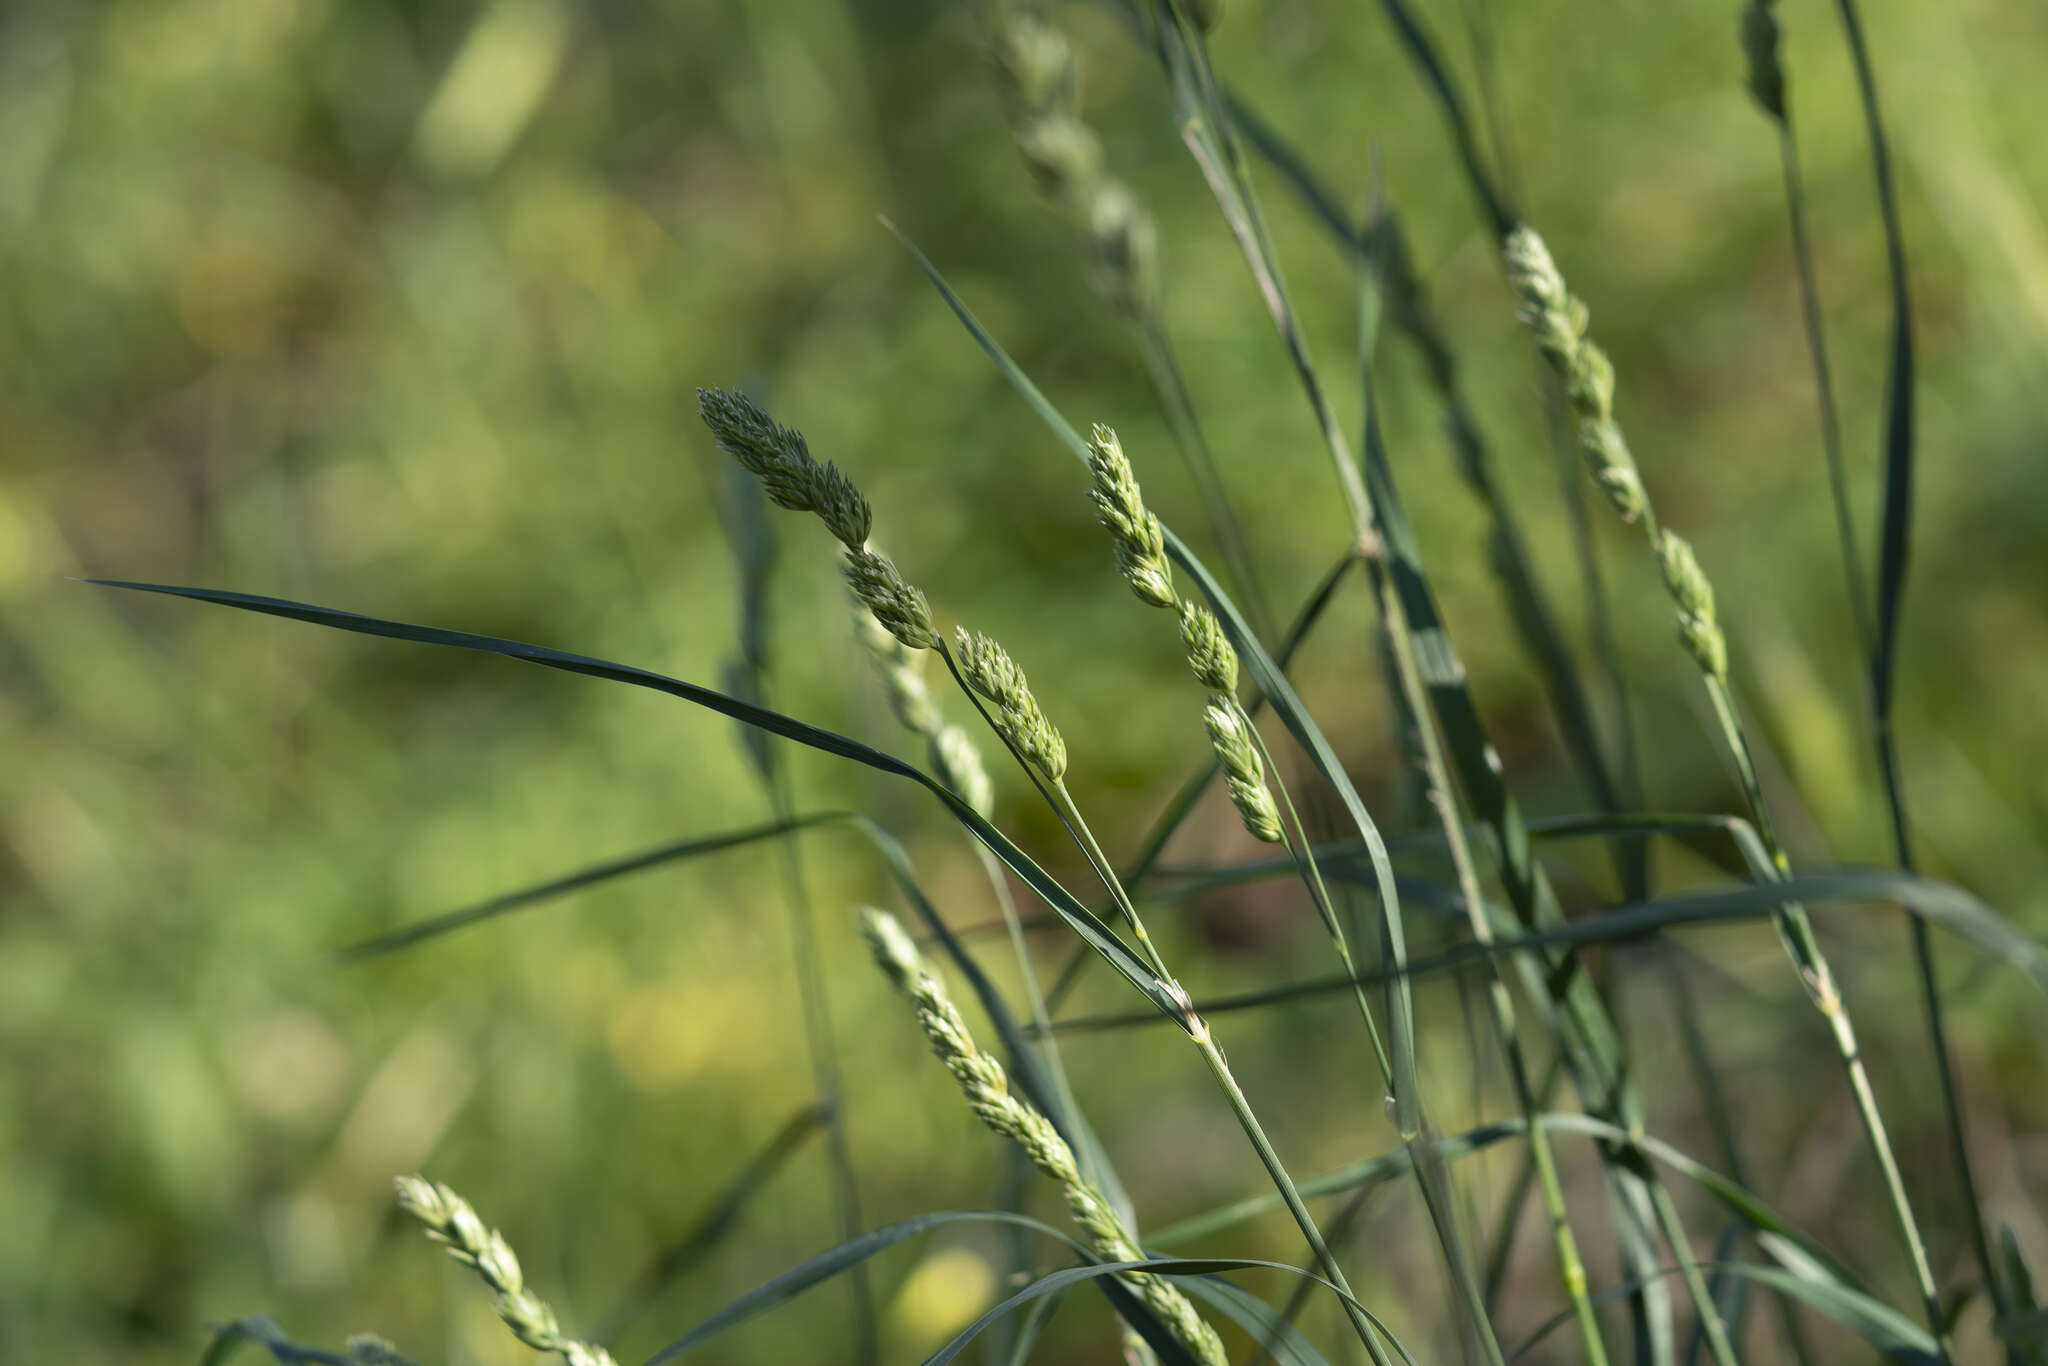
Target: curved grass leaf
{"x": 823, "y": 1267}
{"x": 1883, "y": 1327}
{"x": 420, "y": 931}
{"x": 1060, "y": 1280}
{"x": 1281, "y": 1340}
{"x": 1938, "y": 902}
{"x": 1083, "y": 920}
{"x": 261, "y": 1329}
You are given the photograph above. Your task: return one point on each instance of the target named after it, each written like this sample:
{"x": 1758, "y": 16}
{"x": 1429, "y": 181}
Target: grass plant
{"x": 1475, "y": 895}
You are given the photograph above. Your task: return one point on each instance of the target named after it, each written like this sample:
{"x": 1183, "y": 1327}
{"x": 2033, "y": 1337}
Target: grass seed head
{"x": 991, "y": 672}
{"x": 1698, "y": 626}
{"x": 1210, "y": 653}
{"x": 1559, "y": 321}
{"x": 894, "y": 603}
{"x": 1134, "y": 533}
{"x": 781, "y": 459}
{"x": 449, "y": 1220}
{"x": 986, "y": 1088}
{"x": 1037, "y": 67}
{"x": 958, "y": 762}
{"x": 1244, "y": 773}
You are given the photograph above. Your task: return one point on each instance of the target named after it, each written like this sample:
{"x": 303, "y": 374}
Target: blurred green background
{"x": 401, "y": 308}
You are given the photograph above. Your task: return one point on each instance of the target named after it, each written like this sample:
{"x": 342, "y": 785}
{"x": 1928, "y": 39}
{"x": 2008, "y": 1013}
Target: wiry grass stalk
{"x": 1442, "y": 799}
{"x": 1559, "y": 321}
{"x": 449, "y": 1221}
{"x": 1207, "y": 131}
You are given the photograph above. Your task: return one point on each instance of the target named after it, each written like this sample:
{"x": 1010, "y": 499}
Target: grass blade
{"x": 793, "y": 1282}
{"x": 1058, "y": 897}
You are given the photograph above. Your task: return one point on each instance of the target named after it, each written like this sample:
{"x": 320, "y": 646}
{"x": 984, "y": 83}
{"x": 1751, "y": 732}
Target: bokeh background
{"x": 401, "y": 307}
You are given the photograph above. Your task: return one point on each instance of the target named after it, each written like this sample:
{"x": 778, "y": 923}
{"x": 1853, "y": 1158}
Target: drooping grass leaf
{"x": 1060, "y": 1280}
{"x": 1084, "y": 921}
{"x": 823, "y": 1267}
{"x": 1281, "y": 1340}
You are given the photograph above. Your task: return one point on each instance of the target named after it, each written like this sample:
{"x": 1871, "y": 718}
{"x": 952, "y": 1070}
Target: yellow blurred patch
{"x": 941, "y": 1297}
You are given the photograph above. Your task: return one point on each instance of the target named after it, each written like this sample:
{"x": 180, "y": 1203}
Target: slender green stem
{"x": 1219, "y": 1067}
{"x": 1212, "y": 1054}
{"x": 1304, "y": 855}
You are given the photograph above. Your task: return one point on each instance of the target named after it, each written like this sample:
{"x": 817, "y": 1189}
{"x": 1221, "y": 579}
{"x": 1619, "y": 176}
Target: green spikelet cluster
{"x": 1697, "y": 624}
{"x": 1041, "y": 82}
{"x": 983, "y": 1082}
{"x": 1244, "y": 773}
{"x": 1134, "y": 533}
{"x": 1140, "y": 549}
{"x": 781, "y": 459}
{"x": 1559, "y": 321}
{"x": 991, "y": 672}
{"x": 951, "y": 752}
{"x": 449, "y": 1221}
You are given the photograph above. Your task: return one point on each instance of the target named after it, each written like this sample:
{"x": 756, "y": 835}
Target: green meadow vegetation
{"x": 1220, "y": 681}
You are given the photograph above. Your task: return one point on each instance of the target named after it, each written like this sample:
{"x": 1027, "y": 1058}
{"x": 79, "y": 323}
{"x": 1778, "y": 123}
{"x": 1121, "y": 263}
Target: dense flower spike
{"x": 1697, "y": 625}
{"x": 1559, "y": 321}
{"x": 1036, "y": 66}
{"x": 952, "y": 754}
{"x": 1210, "y": 653}
{"x": 987, "y": 1089}
{"x": 780, "y": 458}
{"x": 1244, "y": 773}
{"x": 895, "y": 604}
{"x": 1134, "y": 533}
{"x": 990, "y": 671}
{"x": 450, "y": 1221}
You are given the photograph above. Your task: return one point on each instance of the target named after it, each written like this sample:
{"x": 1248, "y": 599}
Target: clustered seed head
{"x": 1766, "y": 74}
{"x": 958, "y": 762}
{"x": 449, "y": 1220}
{"x": 898, "y": 606}
{"x": 1559, "y": 321}
{"x": 1037, "y": 65}
{"x": 1697, "y": 624}
{"x": 1039, "y": 77}
{"x": 1134, "y": 533}
{"x": 1210, "y": 653}
{"x": 987, "y": 1090}
{"x": 780, "y": 458}
{"x": 909, "y": 699}
{"x": 1124, "y": 243}
{"x": 1244, "y": 773}
{"x": 991, "y": 672}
